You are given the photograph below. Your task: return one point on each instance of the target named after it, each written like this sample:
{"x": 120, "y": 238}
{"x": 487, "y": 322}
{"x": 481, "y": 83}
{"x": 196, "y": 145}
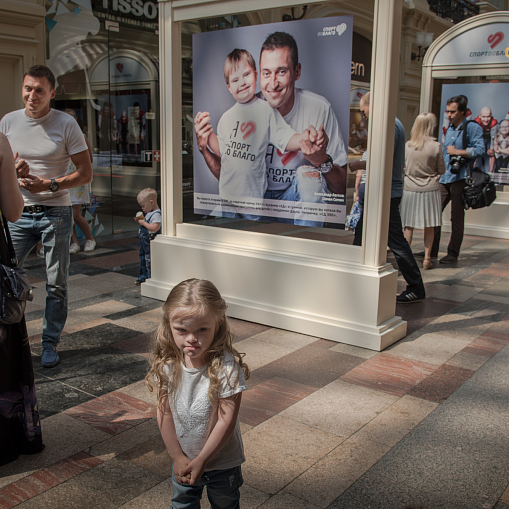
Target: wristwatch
{"x": 53, "y": 186}
{"x": 326, "y": 166}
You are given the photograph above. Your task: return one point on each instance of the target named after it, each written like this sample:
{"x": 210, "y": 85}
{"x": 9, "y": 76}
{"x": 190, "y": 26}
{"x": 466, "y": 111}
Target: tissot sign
{"x": 133, "y": 9}
{"x": 487, "y": 44}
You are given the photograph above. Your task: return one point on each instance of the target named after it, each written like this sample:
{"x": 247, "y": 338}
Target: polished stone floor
{"x": 325, "y": 425}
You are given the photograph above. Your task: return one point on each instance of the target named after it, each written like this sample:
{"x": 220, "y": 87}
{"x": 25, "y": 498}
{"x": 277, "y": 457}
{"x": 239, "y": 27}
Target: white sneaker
{"x": 75, "y": 248}
{"x": 89, "y": 245}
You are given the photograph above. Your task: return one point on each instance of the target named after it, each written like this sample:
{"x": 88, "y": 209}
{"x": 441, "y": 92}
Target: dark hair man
{"x": 453, "y": 180}
{"x": 45, "y": 141}
{"x": 396, "y": 240}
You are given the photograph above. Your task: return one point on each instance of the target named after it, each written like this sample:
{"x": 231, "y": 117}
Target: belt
{"x": 37, "y": 209}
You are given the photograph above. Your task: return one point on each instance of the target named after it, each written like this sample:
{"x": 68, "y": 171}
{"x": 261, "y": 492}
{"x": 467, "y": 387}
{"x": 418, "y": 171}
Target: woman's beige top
{"x": 424, "y": 167}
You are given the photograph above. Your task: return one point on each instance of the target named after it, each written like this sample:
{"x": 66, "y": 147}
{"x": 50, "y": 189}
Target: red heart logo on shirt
{"x": 287, "y": 157}
{"x": 120, "y": 67}
{"x": 248, "y": 128}
{"x": 495, "y": 39}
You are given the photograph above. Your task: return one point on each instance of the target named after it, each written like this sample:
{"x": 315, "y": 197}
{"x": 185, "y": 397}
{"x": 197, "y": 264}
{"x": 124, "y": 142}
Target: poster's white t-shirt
{"x": 308, "y": 109}
{"x": 194, "y": 416}
{"x": 244, "y": 133}
{"x": 46, "y": 144}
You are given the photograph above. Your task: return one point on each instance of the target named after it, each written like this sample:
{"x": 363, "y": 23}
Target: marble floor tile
{"x": 485, "y": 345}
{"x": 269, "y": 398}
{"x": 154, "y": 315}
{"x": 458, "y": 293}
{"x": 99, "y": 371}
{"x": 99, "y": 310}
{"x": 505, "y": 496}
{"x": 113, "y": 413}
{"x": 137, "y": 323}
{"x": 258, "y": 352}
{"x": 150, "y": 455}
{"x": 332, "y": 475}
{"x": 480, "y": 308}
{"x": 113, "y": 259}
{"x": 458, "y": 326}
{"x": 78, "y": 343}
{"x": 34, "y": 327}
{"x": 54, "y": 396}
{"x": 101, "y": 284}
{"x": 340, "y": 408}
{"x": 287, "y": 501}
{"x": 467, "y": 361}
{"x": 391, "y": 425}
{"x": 115, "y": 445}
{"x": 492, "y": 333}
{"x": 140, "y": 344}
{"x": 315, "y": 365}
{"x": 433, "y": 348}
{"x": 134, "y": 310}
{"x": 500, "y": 289}
{"x": 63, "y": 437}
{"x": 493, "y": 298}
{"x": 108, "y": 485}
{"x": 353, "y": 350}
{"x": 47, "y": 478}
{"x": 158, "y": 497}
{"x": 279, "y": 450}
{"x": 139, "y": 390}
{"x": 389, "y": 373}
{"x": 285, "y": 339}
{"x": 243, "y": 330}
{"x": 441, "y": 384}
{"x": 72, "y": 326}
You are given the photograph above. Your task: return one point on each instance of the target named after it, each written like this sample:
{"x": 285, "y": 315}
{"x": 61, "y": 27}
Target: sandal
{"x": 426, "y": 265}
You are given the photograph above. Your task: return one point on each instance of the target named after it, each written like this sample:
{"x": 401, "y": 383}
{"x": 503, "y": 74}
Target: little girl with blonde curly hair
{"x": 199, "y": 377}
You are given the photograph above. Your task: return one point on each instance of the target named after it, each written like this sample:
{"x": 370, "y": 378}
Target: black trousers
{"x": 399, "y": 247}
{"x": 452, "y": 192}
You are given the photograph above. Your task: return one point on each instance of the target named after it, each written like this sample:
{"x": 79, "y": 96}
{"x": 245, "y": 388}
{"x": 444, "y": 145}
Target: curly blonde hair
{"x": 422, "y": 130}
{"x": 189, "y": 298}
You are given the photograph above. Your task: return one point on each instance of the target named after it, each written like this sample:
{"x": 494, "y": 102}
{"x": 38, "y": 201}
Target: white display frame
{"x": 334, "y": 291}
{"x": 492, "y": 221}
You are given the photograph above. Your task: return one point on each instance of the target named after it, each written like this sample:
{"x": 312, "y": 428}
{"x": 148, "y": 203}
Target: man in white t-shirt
{"x": 279, "y": 70}
{"x": 44, "y": 140}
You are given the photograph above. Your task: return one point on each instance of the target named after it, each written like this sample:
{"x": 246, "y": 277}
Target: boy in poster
{"x": 237, "y": 155}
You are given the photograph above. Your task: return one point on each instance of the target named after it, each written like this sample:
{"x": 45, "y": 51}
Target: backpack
{"x": 479, "y": 190}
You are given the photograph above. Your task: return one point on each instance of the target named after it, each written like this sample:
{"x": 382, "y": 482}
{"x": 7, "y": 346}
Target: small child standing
{"x": 199, "y": 377}
{"x": 150, "y": 224}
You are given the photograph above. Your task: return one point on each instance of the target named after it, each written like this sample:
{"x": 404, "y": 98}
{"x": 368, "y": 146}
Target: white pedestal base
{"x": 340, "y": 301}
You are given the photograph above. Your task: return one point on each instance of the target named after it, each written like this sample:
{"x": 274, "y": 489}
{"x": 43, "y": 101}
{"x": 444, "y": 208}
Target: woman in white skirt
{"x": 421, "y": 205}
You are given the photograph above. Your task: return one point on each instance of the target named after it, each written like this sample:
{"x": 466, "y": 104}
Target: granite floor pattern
{"x": 325, "y": 425}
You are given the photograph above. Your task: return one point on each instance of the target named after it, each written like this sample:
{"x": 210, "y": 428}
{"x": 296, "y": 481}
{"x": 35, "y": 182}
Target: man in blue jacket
{"x": 452, "y": 181}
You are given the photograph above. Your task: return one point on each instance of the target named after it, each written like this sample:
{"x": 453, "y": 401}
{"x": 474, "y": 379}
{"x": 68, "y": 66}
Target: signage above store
{"x": 143, "y": 13}
{"x": 486, "y": 44}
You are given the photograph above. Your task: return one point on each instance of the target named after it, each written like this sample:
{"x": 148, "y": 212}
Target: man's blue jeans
{"x": 302, "y": 189}
{"x": 222, "y": 490}
{"x": 54, "y": 227}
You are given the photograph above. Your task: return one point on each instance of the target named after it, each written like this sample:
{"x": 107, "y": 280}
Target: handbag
{"x": 479, "y": 190}
{"x": 15, "y": 289}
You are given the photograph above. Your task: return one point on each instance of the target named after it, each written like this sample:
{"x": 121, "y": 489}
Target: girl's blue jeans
{"x": 222, "y": 490}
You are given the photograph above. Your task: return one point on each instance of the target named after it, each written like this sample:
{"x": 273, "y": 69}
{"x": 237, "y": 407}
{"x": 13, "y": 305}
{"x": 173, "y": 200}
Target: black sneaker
{"x": 448, "y": 259}
{"x": 408, "y": 297}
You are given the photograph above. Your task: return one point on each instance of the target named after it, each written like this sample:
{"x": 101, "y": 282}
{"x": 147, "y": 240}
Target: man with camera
{"x": 452, "y": 182}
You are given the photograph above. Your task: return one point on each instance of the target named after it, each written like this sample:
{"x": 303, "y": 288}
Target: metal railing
{"x": 454, "y": 10}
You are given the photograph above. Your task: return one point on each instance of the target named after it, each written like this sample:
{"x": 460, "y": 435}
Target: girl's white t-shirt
{"x": 195, "y": 417}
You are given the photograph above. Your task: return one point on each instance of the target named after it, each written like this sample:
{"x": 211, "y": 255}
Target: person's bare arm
{"x": 82, "y": 175}
{"x": 203, "y": 130}
{"x": 169, "y": 434}
{"x": 358, "y": 179}
{"x": 227, "y": 413}
{"x": 89, "y": 150}
{"x": 11, "y": 200}
{"x": 151, "y": 227}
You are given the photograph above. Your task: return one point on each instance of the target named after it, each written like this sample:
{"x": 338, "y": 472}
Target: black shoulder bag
{"x": 479, "y": 190}
{"x": 15, "y": 289}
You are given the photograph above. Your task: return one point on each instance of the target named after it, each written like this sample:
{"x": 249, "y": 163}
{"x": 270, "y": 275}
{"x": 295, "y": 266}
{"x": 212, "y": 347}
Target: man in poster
{"x": 489, "y": 124}
{"x": 279, "y": 70}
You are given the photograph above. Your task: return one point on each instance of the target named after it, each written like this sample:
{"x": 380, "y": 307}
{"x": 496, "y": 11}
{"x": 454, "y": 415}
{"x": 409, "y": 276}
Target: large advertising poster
{"x": 488, "y": 105}
{"x": 258, "y": 106}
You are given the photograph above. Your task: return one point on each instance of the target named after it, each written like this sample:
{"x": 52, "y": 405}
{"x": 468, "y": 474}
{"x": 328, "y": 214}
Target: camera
{"x": 456, "y": 163}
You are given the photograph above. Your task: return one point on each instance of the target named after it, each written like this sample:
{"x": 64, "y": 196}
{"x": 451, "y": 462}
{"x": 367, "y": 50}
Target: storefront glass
{"x": 104, "y": 54}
